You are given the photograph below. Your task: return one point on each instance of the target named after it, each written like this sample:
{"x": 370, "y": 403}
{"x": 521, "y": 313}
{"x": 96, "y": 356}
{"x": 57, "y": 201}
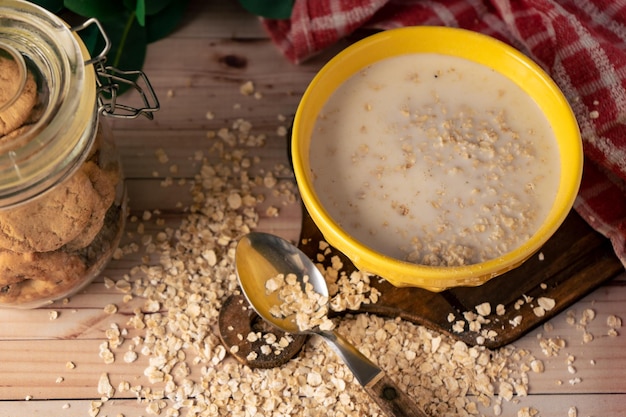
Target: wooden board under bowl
{"x": 574, "y": 261}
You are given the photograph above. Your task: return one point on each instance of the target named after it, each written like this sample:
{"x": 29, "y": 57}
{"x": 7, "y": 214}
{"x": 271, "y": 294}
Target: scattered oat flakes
{"x": 458, "y": 326}
{"x": 500, "y": 310}
{"x": 53, "y": 314}
{"x": 151, "y": 306}
{"x": 587, "y": 316}
{"x": 614, "y": 321}
{"x": 546, "y": 303}
{"x": 123, "y": 386}
{"x": 516, "y": 321}
{"x": 110, "y": 309}
{"x": 130, "y": 356}
{"x": 247, "y": 88}
{"x": 94, "y": 408}
{"x": 104, "y": 386}
{"x": 484, "y": 309}
{"x": 106, "y": 354}
{"x": 122, "y": 285}
{"x": 161, "y": 155}
{"x": 552, "y": 346}
{"x": 537, "y": 366}
{"x": 108, "y": 283}
{"x": 272, "y": 211}
{"x": 527, "y": 412}
{"x": 575, "y": 381}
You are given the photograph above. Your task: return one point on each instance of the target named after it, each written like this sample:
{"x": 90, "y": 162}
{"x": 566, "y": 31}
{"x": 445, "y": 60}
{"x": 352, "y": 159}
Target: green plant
{"x": 129, "y": 24}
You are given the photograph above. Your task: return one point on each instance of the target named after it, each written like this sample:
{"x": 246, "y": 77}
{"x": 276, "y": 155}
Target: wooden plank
{"x": 547, "y": 405}
{"x": 196, "y": 79}
{"x": 35, "y": 369}
{"x": 598, "y": 363}
{"x": 140, "y": 151}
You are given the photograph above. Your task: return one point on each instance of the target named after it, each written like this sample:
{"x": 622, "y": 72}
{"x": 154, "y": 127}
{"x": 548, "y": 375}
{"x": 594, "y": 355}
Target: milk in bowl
{"x": 434, "y": 159}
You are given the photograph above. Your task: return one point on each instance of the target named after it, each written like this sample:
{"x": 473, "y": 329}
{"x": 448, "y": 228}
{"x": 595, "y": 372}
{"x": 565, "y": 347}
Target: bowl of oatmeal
{"x": 435, "y": 157}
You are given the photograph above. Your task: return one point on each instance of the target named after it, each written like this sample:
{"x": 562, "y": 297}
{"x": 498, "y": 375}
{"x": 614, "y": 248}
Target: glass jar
{"x": 62, "y": 192}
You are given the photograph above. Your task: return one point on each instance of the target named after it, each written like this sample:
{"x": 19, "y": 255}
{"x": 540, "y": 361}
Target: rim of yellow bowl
{"x": 461, "y": 43}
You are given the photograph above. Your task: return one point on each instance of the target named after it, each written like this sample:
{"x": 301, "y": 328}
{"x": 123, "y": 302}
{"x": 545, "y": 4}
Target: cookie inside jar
{"x": 52, "y": 245}
{"x": 62, "y": 202}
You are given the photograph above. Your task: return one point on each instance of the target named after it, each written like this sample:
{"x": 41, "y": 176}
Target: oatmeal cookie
{"x": 51, "y": 221}
{"x": 105, "y": 190}
{"x": 26, "y": 277}
{"x": 17, "y": 113}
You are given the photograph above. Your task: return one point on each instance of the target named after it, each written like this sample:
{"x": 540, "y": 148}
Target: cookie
{"x": 52, "y": 220}
{"x": 32, "y": 277}
{"x": 8, "y": 141}
{"x": 105, "y": 190}
{"x": 19, "y": 111}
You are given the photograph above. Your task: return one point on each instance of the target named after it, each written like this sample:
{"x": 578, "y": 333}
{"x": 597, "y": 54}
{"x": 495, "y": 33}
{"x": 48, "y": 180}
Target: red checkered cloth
{"x": 581, "y": 43}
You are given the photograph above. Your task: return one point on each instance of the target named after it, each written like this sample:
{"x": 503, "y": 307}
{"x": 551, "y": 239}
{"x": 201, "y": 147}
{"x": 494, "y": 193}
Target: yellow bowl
{"x": 464, "y": 44}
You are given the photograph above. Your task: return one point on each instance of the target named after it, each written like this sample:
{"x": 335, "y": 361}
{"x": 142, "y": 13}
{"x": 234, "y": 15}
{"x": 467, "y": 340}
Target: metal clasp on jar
{"x": 109, "y": 80}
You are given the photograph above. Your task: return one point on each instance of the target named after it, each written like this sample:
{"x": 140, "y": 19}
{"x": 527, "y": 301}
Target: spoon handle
{"x": 392, "y": 401}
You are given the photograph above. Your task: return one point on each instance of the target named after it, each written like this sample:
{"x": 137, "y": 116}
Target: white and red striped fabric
{"x": 581, "y": 43}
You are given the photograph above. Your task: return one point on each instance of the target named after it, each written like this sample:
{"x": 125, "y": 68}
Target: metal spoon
{"x": 261, "y": 256}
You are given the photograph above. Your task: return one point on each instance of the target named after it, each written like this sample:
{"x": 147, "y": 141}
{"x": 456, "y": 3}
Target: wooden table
{"x": 199, "y": 70}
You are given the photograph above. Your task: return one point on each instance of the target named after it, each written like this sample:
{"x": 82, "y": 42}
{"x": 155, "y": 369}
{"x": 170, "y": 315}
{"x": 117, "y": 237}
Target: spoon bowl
{"x": 262, "y": 256}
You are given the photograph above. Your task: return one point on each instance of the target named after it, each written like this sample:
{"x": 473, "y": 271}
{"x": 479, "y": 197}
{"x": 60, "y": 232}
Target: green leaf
{"x": 151, "y": 6}
{"x": 155, "y": 6}
{"x": 161, "y": 24}
{"x": 271, "y": 9}
{"x": 140, "y": 12}
{"x": 53, "y": 6}
{"x": 128, "y": 42}
{"x": 101, "y": 10}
